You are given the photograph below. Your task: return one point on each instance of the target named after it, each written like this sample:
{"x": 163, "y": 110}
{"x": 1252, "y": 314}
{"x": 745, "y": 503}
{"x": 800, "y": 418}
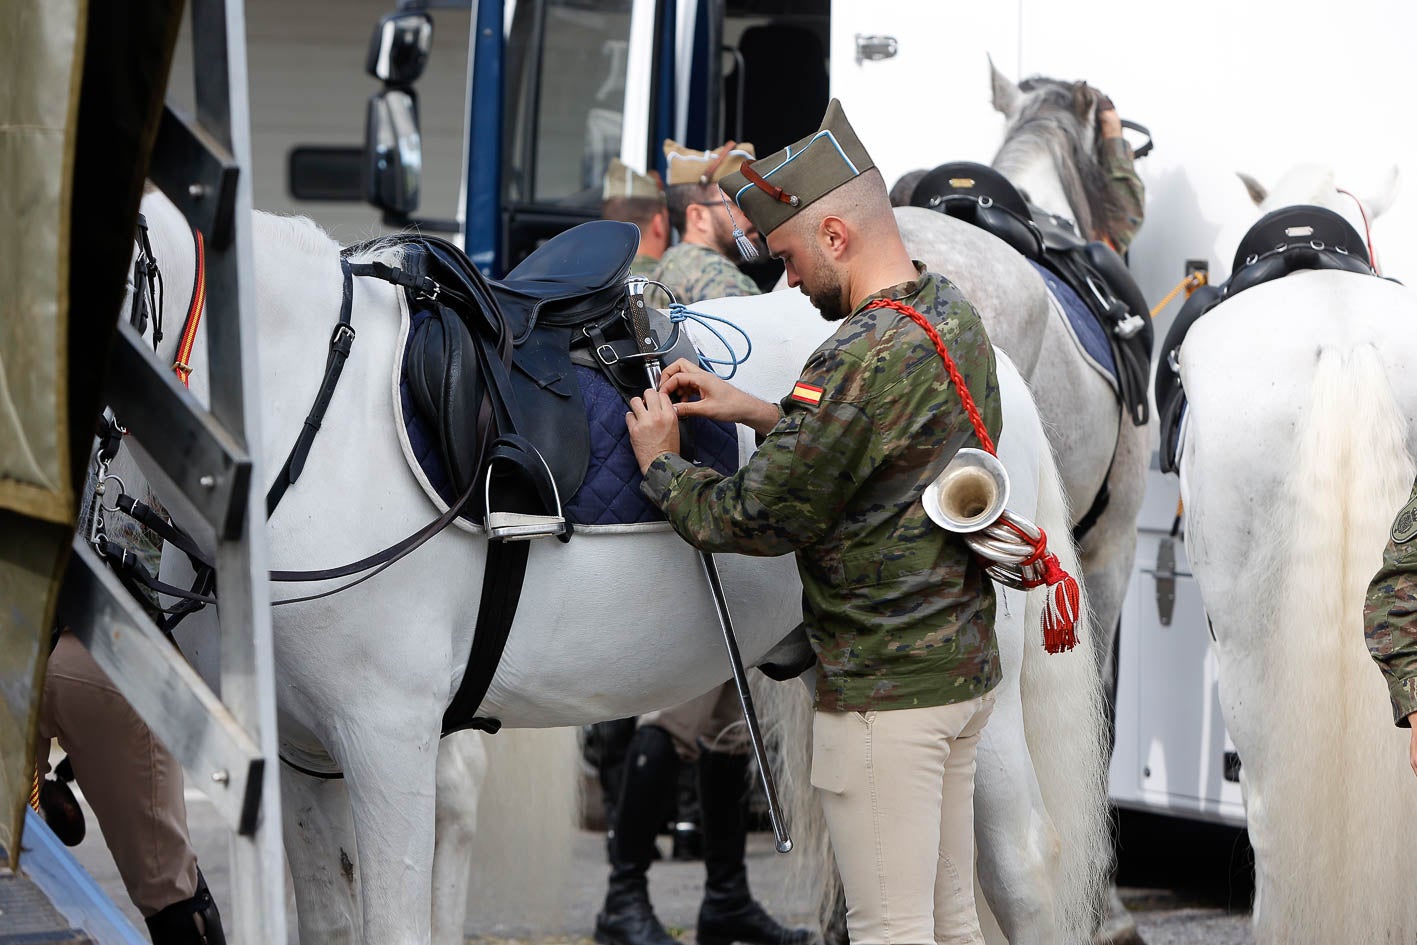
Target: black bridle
{"x": 147, "y": 287}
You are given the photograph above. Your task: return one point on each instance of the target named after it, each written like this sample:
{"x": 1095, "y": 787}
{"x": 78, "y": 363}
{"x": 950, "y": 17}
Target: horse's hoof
{"x": 1118, "y": 927}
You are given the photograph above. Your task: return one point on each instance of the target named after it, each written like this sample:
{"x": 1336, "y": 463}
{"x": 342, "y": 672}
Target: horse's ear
{"x": 1257, "y": 190}
{"x": 1382, "y": 201}
{"x": 1083, "y": 102}
{"x": 1006, "y": 92}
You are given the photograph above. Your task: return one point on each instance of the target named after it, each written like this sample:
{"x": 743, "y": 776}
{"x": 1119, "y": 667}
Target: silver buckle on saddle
{"x": 522, "y": 526}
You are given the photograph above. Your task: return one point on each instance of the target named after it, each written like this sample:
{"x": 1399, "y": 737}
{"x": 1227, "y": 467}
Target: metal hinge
{"x": 1165, "y": 576}
{"x": 875, "y": 48}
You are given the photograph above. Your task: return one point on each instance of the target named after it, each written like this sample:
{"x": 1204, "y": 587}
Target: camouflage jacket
{"x": 644, "y": 266}
{"x": 899, "y": 612}
{"x": 1119, "y": 167}
{"x": 694, "y": 273}
{"x": 1390, "y": 613}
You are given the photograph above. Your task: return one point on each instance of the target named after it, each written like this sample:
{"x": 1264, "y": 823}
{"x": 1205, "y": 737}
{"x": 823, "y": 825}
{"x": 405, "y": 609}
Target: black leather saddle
{"x": 1283, "y": 241}
{"x": 488, "y": 358}
{"x": 982, "y": 196}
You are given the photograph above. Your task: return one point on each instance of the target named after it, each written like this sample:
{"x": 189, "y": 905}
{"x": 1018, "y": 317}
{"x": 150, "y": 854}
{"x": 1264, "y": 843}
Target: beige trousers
{"x": 131, "y": 781}
{"x": 714, "y": 721}
{"x": 897, "y": 788}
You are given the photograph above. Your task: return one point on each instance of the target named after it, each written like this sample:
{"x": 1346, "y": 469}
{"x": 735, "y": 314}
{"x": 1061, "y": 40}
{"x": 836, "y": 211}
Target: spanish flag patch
{"x": 809, "y": 394}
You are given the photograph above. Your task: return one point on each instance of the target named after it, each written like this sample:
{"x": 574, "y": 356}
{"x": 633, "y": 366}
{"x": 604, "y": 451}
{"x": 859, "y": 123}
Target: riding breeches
{"x": 131, "y": 781}
{"x": 713, "y": 721}
{"x": 897, "y": 788}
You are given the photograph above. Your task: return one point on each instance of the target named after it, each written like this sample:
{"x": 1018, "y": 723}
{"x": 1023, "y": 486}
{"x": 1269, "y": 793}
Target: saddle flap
{"x": 441, "y": 366}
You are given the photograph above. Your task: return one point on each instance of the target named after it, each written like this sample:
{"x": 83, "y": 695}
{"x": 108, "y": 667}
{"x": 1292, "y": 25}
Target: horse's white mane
{"x": 298, "y": 233}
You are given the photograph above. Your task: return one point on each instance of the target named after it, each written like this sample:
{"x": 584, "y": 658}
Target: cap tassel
{"x": 746, "y": 249}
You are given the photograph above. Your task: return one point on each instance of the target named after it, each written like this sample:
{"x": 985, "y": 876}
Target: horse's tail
{"x": 1065, "y": 726}
{"x": 786, "y": 716}
{"x": 1330, "y": 797}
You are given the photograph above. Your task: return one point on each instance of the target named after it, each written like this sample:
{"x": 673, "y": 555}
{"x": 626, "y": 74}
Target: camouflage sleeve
{"x": 793, "y": 489}
{"x": 1120, "y": 169}
{"x": 1390, "y": 614}
{"x": 736, "y": 282}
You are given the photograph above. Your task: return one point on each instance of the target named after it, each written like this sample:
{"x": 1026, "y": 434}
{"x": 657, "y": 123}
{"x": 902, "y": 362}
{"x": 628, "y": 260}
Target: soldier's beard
{"x": 826, "y": 292}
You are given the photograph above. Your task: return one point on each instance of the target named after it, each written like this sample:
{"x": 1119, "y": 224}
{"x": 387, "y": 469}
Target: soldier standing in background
{"x": 701, "y": 266}
{"x": 1390, "y": 619}
{"x": 632, "y": 197}
{"x": 708, "y": 731}
{"x": 1125, "y": 192}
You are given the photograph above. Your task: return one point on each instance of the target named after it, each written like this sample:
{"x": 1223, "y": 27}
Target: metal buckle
{"x": 342, "y": 327}
{"x": 1129, "y": 326}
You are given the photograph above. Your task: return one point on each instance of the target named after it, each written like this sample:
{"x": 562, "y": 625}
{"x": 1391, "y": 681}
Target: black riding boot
{"x": 729, "y": 913}
{"x": 194, "y": 921}
{"x": 651, "y": 766}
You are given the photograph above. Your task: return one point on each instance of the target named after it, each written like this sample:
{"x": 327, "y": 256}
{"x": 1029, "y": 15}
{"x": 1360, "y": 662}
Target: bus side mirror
{"x": 399, "y": 49}
{"x": 393, "y": 151}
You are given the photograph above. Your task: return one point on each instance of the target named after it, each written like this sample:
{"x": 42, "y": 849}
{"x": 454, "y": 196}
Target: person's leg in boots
{"x": 729, "y": 912}
{"x": 651, "y": 769}
{"x": 134, "y": 785}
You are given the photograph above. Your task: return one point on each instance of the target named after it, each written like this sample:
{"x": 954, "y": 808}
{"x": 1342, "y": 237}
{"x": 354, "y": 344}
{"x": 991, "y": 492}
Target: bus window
{"x": 565, "y": 99}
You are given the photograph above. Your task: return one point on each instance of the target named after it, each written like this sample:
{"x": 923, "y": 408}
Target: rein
{"x": 1367, "y": 228}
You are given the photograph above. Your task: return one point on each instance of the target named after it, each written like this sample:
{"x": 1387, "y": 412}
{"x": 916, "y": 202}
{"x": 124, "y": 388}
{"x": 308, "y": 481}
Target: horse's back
{"x": 1249, "y": 365}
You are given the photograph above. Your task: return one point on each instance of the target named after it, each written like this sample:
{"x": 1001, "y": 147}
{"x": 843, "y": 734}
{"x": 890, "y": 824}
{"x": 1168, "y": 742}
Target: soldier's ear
{"x": 834, "y": 236}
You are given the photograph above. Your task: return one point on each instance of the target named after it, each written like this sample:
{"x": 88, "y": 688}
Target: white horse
{"x": 619, "y": 623}
{"x": 1048, "y": 152}
{"x": 1298, "y": 449}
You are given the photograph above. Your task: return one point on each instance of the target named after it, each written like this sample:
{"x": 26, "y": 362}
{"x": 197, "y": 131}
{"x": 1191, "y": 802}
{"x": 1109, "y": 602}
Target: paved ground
{"x": 1187, "y": 885}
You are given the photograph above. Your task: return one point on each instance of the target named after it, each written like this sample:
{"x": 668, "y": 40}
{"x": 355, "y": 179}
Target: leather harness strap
{"x": 341, "y": 341}
{"x": 773, "y": 191}
{"x": 182, "y": 363}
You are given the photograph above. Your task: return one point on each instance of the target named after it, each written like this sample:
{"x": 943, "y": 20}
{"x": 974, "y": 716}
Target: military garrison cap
{"x": 624, "y": 181}
{"x": 687, "y": 166}
{"x": 774, "y": 189}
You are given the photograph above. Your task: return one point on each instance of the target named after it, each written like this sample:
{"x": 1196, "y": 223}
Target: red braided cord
{"x": 934, "y": 336}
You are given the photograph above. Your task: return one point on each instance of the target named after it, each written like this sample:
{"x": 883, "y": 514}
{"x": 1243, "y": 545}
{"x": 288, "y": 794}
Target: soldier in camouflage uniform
{"x": 1125, "y": 188}
{"x": 899, "y": 612}
{"x": 707, "y": 731}
{"x": 1390, "y": 619}
{"x": 631, "y": 197}
{"x": 701, "y": 266}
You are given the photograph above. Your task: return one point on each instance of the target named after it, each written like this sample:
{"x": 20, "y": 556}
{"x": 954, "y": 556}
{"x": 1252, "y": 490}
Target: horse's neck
{"x": 174, "y": 251}
{"x": 1034, "y": 169}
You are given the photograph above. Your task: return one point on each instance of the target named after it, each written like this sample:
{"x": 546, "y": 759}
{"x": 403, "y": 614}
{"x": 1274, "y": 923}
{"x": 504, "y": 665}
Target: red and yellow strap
{"x": 182, "y": 364}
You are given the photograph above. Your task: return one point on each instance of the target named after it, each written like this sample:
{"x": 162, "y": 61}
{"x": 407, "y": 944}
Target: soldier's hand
{"x": 1412, "y": 748}
{"x": 654, "y": 427}
{"x": 700, "y": 393}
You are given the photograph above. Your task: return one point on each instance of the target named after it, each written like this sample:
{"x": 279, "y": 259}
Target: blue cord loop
{"x": 679, "y": 313}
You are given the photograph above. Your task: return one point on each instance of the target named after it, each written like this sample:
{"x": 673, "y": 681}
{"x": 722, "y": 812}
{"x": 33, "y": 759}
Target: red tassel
{"x": 1061, "y": 616}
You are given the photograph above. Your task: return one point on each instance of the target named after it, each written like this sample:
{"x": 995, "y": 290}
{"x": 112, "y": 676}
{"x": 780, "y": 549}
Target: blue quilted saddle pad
{"x": 610, "y": 493}
{"x": 1084, "y": 325}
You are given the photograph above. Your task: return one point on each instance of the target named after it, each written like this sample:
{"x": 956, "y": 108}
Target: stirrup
{"x": 523, "y": 526}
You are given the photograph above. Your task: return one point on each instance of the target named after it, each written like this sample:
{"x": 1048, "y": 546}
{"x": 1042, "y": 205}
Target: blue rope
{"x": 681, "y": 313}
